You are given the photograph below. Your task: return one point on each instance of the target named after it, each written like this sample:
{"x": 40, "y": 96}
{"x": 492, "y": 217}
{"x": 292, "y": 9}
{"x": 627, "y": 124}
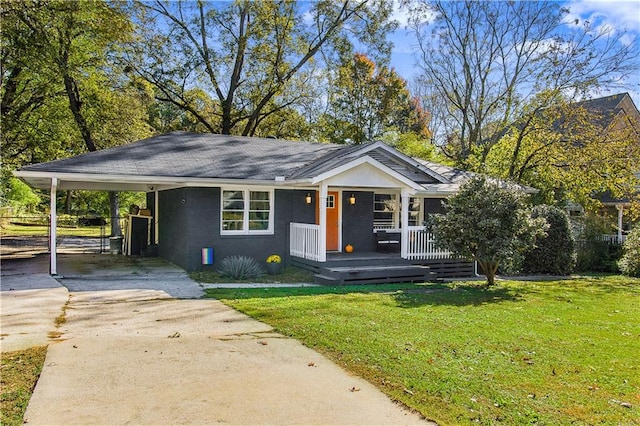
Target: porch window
{"x": 387, "y": 211}
{"x": 415, "y": 212}
{"x": 245, "y": 211}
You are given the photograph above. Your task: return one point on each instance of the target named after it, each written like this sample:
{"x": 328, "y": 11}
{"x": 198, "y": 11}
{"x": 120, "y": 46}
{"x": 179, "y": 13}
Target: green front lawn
{"x": 555, "y": 352}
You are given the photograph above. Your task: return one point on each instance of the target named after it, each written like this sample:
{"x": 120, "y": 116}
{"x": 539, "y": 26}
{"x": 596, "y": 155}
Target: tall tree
{"x": 368, "y": 100}
{"x": 488, "y": 58}
{"x": 570, "y": 153}
{"x": 246, "y": 54}
{"x": 70, "y": 44}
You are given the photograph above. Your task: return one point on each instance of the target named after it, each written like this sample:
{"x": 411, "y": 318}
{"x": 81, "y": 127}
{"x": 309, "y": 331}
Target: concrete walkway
{"x": 134, "y": 354}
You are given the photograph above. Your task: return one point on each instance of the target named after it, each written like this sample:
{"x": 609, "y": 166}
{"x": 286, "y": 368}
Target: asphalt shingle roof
{"x": 197, "y": 155}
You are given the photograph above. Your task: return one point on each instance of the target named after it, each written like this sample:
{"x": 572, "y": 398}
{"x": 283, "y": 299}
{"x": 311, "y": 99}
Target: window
{"x": 331, "y": 201}
{"x": 245, "y": 211}
{"x": 387, "y": 211}
{"x": 385, "y": 208}
{"x": 414, "y": 212}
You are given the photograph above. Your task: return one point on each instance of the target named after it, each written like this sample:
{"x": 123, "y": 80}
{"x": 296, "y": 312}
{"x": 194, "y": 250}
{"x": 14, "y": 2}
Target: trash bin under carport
{"x": 115, "y": 245}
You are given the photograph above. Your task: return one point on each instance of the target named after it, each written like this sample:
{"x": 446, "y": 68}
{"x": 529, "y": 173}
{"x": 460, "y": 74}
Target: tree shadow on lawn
{"x": 466, "y": 295}
{"x": 405, "y": 295}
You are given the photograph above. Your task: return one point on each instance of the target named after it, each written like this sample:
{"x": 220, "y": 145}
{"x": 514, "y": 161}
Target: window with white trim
{"x": 385, "y": 208}
{"x": 387, "y": 211}
{"x": 245, "y": 211}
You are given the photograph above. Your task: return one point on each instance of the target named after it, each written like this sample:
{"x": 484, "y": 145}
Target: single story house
{"x": 263, "y": 196}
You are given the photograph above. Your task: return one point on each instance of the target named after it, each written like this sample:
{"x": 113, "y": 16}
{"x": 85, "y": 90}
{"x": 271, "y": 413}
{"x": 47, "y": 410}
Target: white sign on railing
{"x": 422, "y": 245}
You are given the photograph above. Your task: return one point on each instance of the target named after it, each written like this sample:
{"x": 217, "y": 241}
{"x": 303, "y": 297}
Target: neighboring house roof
{"x": 608, "y": 108}
{"x": 181, "y": 158}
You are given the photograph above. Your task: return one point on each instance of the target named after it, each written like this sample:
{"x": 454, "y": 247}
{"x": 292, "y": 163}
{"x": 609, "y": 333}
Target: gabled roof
{"x": 608, "y": 107}
{"x": 379, "y": 151}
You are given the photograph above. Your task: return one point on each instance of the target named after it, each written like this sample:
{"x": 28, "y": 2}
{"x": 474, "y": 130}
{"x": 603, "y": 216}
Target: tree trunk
{"x": 114, "y": 207}
{"x": 489, "y": 269}
{"x": 67, "y": 203}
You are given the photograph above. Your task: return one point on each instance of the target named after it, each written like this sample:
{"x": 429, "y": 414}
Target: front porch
{"x": 422, "y": 260}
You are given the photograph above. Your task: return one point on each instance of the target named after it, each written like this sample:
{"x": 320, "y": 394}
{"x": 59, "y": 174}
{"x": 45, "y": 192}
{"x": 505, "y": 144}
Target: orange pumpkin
{"x": 348, "y": 248}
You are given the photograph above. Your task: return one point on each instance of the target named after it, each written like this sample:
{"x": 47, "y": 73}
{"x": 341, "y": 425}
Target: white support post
{"x": 404, "y": 240}
{"x": 155, "y": 219}
{"x": 322, "y": 206}
{"x": 620, "y": 208}
{"x": 53, "y": 225}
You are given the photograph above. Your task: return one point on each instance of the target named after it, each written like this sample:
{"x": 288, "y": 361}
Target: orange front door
{"x": 333, "y": 226}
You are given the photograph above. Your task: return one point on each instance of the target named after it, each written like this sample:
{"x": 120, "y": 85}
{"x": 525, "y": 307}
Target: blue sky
{"x": 621, "y": 16}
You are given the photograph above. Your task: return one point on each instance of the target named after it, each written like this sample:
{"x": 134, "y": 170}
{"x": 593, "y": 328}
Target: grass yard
{"x": 545, "y": 352}
{"x": 19, "y": 373}
{"x": 14, "y": 230}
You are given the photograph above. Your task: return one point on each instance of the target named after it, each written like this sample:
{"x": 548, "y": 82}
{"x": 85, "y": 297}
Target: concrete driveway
{"x": 131, "y": 352}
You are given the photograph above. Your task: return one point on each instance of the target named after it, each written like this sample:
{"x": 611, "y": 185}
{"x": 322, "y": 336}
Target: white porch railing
{"x": 613, "y": 238}
{"x": 304, "y": 241}
{"x": 422, "y": 245}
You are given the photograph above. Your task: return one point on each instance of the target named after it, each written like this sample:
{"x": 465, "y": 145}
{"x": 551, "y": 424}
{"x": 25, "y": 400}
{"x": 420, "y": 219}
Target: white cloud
{"x": 621, "y": 15}
{"x": 403, "y": 11}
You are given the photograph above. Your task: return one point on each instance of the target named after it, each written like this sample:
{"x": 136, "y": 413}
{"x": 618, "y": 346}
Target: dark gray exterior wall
{"x": 189, "y": 220}
{"x": 433, "y": 205}
{"x": 357, "y": 221}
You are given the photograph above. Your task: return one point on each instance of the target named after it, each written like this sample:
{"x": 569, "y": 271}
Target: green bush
{"x": 240, "y": 267}
{"x": 597, "y": 256}
{"x": 487, "y": 221}
{"x": 629, "y": 264}
{"x": 554, "y": 253}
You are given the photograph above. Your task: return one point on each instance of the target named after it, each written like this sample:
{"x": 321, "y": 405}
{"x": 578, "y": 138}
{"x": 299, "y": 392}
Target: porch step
{"x": 374, "y": 274}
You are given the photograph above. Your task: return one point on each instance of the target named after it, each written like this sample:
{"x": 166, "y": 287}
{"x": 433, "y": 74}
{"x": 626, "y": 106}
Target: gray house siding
{"x": 189, "y": 220}
{"x": 433, "y": 206}
{"x": 357, "y": 221}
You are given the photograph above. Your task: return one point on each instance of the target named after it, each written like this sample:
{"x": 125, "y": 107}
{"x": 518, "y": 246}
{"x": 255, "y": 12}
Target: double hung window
{"x": 387, "y": 211}
{"x": 247, "y": 211}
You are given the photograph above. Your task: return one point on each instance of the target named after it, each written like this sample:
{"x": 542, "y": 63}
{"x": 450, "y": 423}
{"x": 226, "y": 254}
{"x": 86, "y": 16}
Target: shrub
{"x": 630, "y": 262}
{"x": 487, "y": 222}
{"x": 240, "y": 267}
{"x": 597, "y": 256}
{"x": 554, "y": 253}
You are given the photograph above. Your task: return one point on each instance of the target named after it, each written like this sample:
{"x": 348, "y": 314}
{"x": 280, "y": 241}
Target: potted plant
{"x": 274, "y": 264}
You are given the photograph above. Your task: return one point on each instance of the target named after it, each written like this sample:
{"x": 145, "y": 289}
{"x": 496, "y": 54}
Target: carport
{"x": 55, "y": 181}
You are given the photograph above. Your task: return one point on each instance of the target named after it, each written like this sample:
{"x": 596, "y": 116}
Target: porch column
{"x": 404, "y": 241}
{"x": 322, "y": 238}
{"x": 620, "y": 208}
{"x": 155, "y": 219}
{"x": 53, "y": 225}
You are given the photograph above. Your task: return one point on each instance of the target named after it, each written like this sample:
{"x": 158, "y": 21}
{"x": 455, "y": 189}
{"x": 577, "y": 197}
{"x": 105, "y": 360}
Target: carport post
{"x": 53, "y": 266}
